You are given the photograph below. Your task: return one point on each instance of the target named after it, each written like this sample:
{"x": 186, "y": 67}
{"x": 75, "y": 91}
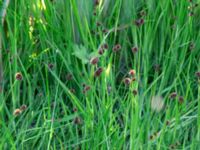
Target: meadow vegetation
{"x": 100, "y": 74}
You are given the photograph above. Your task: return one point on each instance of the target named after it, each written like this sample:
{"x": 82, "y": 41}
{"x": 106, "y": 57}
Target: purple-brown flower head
{"x": 132, "y": 72}
{"x": 69, "y": 77}
{"x": 127, "y": 81}
{"x": 135, "y": 92}
{"x": 139, "y": 22}
{"x": 180, "y": 99}
{"x": 98, "y": 72}
{"x": 78, "y": 121}
{"x": 198, "y": 74}
{"x": 18, "y": 76}
{"x": 105, "y": 31}
{"x": 105, "y": 46}
{"x": 72, "y": 90}
{"x": 101, "y": 51}
{"x": 134, "y": 49}
{"x": 23, "y": 107}
{"x": 86, "y": 88}
{"x": 96, "y": 2}
{"x": 50, "y": 65}
{"x": 94, "y": 60}
{"x": 173, "y": 95}
{"x": 116, "y": 48}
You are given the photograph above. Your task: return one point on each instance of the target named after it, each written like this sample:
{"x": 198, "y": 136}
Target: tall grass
{"x": 47, "y": 47}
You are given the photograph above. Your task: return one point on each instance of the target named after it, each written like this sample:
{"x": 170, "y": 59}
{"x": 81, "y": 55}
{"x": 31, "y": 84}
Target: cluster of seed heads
{"x": 116, "y": 48}
{"x": 154, "y": 135}
{"x": 128, "y": 80}
{"x": 174, "y": 95}
{"x": 86, "y": 88}
{"x": 192, "y": 6}
{"x": 174, "y": 146}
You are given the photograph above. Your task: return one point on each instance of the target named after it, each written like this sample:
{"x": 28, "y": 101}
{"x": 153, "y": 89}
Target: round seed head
{"x": 50, "y": 65}
{"x": 101, "y": 51}
{"x": 77, "y": 121}
{"x": 134, "y": 49}
{"x": 135, "y": 92}
{"x": 98, "y": 72}
{"x": 69, "y": 76}
{"x": 132, "y": 72}
{"x": 23, "y": 107}
{"x": 116, "y": 48}
{"x": 94, "y": 60}
{"x": 17, "y": 112}
{"x": 127, "y": 81}
{"x": 180, "y": 99}
{"x": 18, "y": 76}
{"x": 198, "y": 74}
{"x": 173, "y": 95}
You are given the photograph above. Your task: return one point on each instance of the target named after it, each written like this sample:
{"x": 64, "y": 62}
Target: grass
{"x": 47, "y": 47}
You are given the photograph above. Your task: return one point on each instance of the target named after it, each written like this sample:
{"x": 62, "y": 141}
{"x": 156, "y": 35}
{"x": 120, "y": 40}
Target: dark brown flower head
{"x": 98, "y": 24}
{"x": 198, "y": 74}
{"x": 83, "y": 84}
{"x": 86, "y": 88}
{"x": 151, "y": 137}
{"x": 94, "y": 60}
{"x": 75, "y": 109}
{"x": 133, "y": 79}
{"x": 134, "y": 49}
{"x": 191, "y": 13}
{"x": 77, "y": 121}
{"x": 135, "y": 92}
{"x": 180, "y": 99}
{"x": 139, "y": 22}
{"x": 196, "y": 5}
{"x": 93, "y": 32}
{"x": 105, "y": 46}
{"x": 127, "y": 81}
{"x": 69, "y": 77}
{"x": 23, "y": 107}
{"x": 50, "y": 65}
{"x": 116, "y": 48}
{"x": 18, "y": 76}
{"x": 105, "y": 31}
{"x": 96, "y": 2}
{"x": 173, "y": 95}
{"x": 94, "y": 13}
{"x": 167, "y": 122}
{"x": 132, "y": 72}
{"x": 17, "y": 112}
{"x": 101, "y": 51}
{"x": 98, "y": 72}
{"x": 72, "y": 90}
